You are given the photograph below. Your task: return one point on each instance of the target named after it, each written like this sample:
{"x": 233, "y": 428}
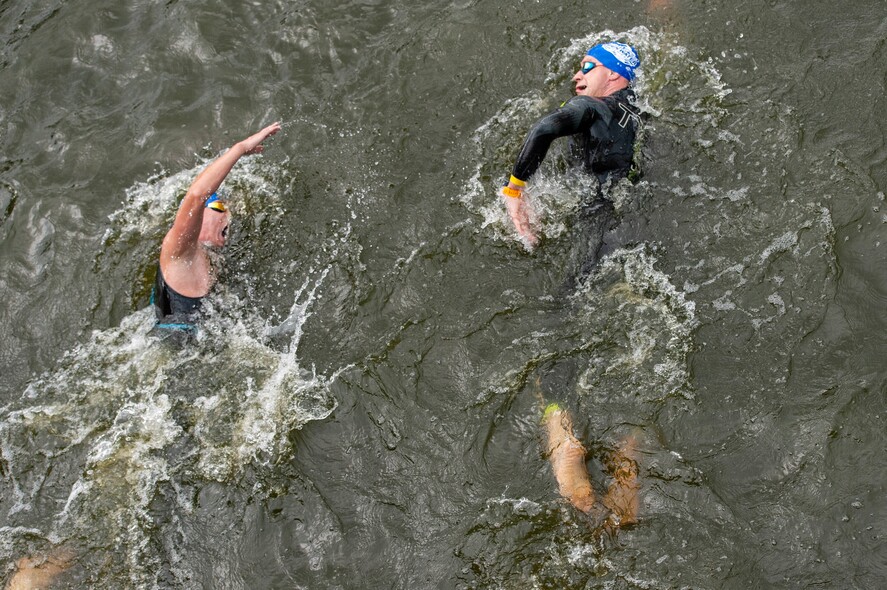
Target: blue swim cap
{"x": 216, "y": 203}
{"x": 619, "y": 57}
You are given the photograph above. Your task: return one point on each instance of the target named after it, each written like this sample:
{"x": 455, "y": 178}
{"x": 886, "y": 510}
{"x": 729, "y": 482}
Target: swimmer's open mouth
{"x": 225, "y": 232}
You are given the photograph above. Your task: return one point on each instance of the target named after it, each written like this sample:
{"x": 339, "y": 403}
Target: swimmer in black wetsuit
{"x": 185, "y": 274}
{"x": 601, "y": 121}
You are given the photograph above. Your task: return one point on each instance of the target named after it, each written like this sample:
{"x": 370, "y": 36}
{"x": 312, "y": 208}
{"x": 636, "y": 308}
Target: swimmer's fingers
{"x": 531, "y": 238}
{"x": 252, "y": 144}
{"x": 520, "y": 217}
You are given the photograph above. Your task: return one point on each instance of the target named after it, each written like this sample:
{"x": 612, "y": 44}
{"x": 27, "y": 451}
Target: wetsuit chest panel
{"x": 606, "y": 148}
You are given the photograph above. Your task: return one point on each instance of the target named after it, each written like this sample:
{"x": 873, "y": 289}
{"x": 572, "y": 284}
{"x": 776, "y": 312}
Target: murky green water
{"x": 362, "y": 409}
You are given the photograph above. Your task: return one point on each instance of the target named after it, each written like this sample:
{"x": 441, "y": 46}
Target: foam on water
{"x": 269, "y": 404}
{"x": 116, "y": 401}
{"x": 656, "y": 339}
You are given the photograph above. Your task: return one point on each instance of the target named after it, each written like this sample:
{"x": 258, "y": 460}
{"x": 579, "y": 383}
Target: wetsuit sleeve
{"x": 575, "y": 116}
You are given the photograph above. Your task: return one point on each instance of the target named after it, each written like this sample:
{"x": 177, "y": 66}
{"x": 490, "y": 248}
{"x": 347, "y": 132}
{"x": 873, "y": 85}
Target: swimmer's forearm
{"x": 186, "y": 228}
{"x": 209, "y": 181}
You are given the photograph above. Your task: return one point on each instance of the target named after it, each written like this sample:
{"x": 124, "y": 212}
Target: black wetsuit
{"x": 602, "y": 133}
{"x": 602, "y": 136}
{"x": 173, "y": 310}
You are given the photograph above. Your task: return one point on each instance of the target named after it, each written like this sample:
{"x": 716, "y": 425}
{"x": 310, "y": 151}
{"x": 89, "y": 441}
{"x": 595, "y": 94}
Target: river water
{"x": 361, "y": 410}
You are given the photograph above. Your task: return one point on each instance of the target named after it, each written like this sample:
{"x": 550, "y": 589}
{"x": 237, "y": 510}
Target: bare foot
{"x": 567, "y": 456}
{"x": 37, "y": 573}
{"x": 622, "y": 496}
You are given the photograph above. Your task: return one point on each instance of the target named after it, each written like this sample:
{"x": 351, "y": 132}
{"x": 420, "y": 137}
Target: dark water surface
{"x": 362, "y": 408}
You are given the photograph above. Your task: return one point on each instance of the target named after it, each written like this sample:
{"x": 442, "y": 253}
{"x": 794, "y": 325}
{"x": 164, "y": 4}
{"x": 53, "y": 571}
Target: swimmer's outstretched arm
{"x": 181, "y": 240}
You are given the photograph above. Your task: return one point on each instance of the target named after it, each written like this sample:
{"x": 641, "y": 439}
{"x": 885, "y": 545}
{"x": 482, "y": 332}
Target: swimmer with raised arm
{"x": 185, "y": 273}
{"x": 185, "y": 276}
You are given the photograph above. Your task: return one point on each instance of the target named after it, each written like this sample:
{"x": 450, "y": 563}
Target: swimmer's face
{"x": 214, "y": 231}
{"x": 592, "y": 82}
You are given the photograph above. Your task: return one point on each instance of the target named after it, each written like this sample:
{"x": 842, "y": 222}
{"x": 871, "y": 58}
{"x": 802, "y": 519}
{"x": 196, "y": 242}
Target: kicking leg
{"x": 567, "y": 456}
{"x": 622, "y": 496}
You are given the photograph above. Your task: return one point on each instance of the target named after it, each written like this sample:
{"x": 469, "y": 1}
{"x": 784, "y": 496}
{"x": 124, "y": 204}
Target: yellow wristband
{"x": 517, "y": 181}
{"x": 511, "y": 192}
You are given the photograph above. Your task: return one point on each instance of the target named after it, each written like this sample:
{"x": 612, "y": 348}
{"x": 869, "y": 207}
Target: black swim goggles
{"x": 588, "y": 66}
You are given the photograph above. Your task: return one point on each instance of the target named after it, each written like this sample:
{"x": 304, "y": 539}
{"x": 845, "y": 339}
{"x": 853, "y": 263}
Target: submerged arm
{"x": 572, "y": 117}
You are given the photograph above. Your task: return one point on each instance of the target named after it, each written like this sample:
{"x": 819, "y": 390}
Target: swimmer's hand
{"x": 520, "y": 212}
{"x": 253, "y": 143}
